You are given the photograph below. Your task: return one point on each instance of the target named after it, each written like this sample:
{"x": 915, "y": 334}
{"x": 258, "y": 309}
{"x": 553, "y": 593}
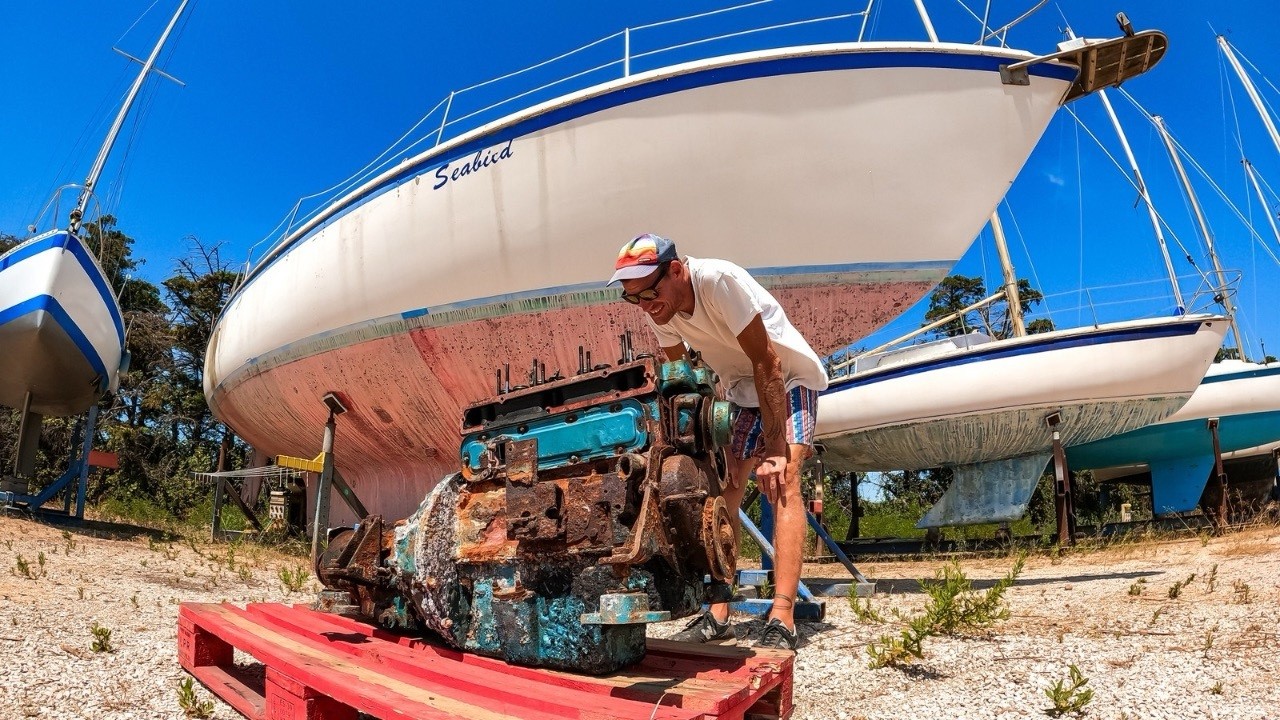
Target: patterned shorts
{"x": 802, "y": 411}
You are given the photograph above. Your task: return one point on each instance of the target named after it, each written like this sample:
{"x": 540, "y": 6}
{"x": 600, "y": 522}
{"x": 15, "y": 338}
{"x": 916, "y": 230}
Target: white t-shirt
{"x": 725, "y": 300}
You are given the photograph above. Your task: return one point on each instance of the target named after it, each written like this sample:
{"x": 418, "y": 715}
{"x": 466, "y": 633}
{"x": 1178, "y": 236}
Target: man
{"x": 768, "y": 371}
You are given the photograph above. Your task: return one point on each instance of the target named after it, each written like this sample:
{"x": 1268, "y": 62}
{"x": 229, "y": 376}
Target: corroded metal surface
{"x": 560, "y": 537}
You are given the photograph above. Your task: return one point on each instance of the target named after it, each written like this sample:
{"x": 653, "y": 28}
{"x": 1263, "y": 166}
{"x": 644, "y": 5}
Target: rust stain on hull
{"x": 400, "y": 434}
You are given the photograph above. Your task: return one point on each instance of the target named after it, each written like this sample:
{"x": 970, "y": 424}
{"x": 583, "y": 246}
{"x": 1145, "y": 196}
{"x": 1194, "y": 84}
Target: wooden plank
{"x": 382, "y": 694}
{"x": 694, "y": 693}
{"x": 709, "y": 679}
{"x": 327, "y": 666}
{"x": 444, "y": 669}
{"x": 234, "y": 691}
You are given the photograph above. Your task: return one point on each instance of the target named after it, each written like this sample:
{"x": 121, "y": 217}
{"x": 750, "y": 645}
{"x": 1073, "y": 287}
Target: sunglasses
{"x": 650, "y": 293}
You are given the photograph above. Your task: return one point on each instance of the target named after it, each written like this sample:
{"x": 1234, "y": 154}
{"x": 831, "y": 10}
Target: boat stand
{"x": 330, "y": 479}
{"x": 73, "y": 483}
{"x": 809, "y": 604}
{"x": 1064, "y": 493}
{"x": 1219, "y": 515}
{"x": 226, "y": 488}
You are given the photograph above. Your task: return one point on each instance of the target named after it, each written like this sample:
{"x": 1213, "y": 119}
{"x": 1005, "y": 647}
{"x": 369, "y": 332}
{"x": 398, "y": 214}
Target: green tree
{"x": 919, "y": 488}
{"x": 957, "y": 292}
{"x": 112, "y": 247}
{"x": 197, "y": 293}
{"x": 1227, "y": 353}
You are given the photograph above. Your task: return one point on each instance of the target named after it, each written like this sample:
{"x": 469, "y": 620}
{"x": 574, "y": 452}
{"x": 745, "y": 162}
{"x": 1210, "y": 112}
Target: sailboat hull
{"x": 1245, "y": 400}
{"x": 61, "y": 329}
{"x": 835, "y": 174}
{"x": 990, "y": 402}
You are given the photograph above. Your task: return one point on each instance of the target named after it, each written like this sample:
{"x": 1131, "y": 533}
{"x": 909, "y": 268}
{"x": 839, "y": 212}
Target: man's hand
{"x": 771, "y": 474}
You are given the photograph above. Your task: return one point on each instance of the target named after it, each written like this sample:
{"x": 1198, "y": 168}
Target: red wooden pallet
{"x": 327, "y": 667}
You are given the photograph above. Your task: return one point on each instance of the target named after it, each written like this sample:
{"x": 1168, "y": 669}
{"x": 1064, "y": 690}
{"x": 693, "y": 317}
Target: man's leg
{"x": 789, "y": 525}
{"x": 739, "y": 472}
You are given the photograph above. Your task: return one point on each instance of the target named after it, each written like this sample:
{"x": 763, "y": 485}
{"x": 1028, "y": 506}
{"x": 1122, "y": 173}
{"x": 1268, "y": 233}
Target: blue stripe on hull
{"x": 666, "y": 86}
{"x": 1267, "y": 371}
{"x": 766, "y": 275}
{"x": 50, "y": 305}
{"x": 1169, "y": 441}
{"x": 72, "y": 244}
{"x": 998, "y": 350}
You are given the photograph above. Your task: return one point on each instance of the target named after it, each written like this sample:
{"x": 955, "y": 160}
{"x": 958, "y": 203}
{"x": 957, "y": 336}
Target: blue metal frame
{"x": 77, "y": 471}
{"x": 806, "y": 606}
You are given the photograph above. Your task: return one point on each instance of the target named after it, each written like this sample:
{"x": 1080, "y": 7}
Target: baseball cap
{"x": 641, "y": 256}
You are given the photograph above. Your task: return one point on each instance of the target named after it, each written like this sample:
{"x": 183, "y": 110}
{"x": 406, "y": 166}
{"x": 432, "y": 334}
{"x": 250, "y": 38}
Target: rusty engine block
{"x": 585, "y": 507}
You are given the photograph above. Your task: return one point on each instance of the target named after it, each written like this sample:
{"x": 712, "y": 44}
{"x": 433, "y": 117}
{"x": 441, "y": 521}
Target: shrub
{"x": 101, "y": 639}
{"x": 953, "y": 606}
{"x": 1069, "y": 698}
{"x": 192, "y": 706}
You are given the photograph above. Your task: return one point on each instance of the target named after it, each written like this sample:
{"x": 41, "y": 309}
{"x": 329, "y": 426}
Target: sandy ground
{"x": 1213, "y": 651}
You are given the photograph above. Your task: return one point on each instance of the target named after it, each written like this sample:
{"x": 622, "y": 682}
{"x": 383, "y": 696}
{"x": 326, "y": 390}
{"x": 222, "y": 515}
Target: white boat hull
{"x": 990, "y": 402}
{"x": 843, "y": 177}
{"x": 61, "y": 330}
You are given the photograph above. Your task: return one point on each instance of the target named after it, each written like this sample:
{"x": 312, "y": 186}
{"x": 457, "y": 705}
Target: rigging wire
{"x": 137, "y": 20}
{"x": 1212, "y": 183}
{"x": 1129, "y": 178}
{"x": 1022, "y": 241}
{"x": 98, "y": 121}
{"x": 1260, "y": 74}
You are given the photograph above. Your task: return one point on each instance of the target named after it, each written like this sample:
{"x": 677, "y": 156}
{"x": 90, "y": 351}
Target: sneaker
{"x": 703, "y": 628}
{"x": 776, "y": 636}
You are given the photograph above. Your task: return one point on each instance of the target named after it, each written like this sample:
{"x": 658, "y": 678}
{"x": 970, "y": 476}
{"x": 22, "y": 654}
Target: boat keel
{"x": 995, "y": 491}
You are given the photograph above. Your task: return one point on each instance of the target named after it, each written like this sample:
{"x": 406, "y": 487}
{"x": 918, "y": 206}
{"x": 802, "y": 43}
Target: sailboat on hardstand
{"x": 1235, "y": 408}
{"x": 61, "y": 328}
{"x": 990, "y": 409}
{"x": 847, "y": 177}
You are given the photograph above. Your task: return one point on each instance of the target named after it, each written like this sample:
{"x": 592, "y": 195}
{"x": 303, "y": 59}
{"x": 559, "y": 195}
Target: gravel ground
{"x": 1211, "y": 652}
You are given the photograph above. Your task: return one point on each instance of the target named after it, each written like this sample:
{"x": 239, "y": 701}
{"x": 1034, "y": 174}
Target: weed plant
{"x": 192, "y": 706}
{"x": 293, "y": 580}
{"x": 1070, "y": 698}
{"x": 101, "y": 639}
{"x": 24, "y": 568}
{"x": 862, "y": 607}
{"x": 1240, "y": 592}
{"x": 953, "y": 607}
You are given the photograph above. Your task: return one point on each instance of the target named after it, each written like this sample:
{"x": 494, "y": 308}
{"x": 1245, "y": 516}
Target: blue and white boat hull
{"x": 61, "y": 329}
{"x": 975, "y": 408}
{"x": 1245, "y": 400}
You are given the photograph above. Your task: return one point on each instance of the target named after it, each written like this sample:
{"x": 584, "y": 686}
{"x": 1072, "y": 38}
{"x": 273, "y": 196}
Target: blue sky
{"x": 285, "y": 99}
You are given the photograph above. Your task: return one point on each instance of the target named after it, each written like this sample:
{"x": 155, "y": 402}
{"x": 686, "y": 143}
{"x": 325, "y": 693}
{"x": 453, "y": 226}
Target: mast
{"x": 1223, "y": 295}
{"x": 1248, "y": 170}
{"x": 85, "y": 193}
{"x": 1010, "y": 278}
{"x": 1146, "y": 200}
{"x": 1251, "y": 90}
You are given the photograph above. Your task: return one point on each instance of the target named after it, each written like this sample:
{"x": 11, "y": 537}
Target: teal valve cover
{"x": 572, "y": 437}
{"x": 680, "y": 375}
